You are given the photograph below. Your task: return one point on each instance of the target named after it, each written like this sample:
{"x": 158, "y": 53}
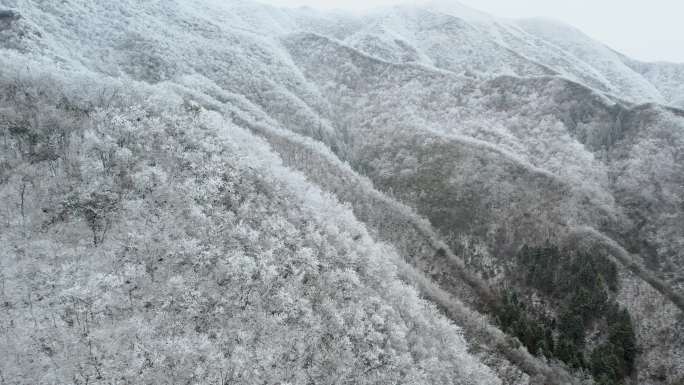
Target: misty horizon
{"x": 650, "y": 32}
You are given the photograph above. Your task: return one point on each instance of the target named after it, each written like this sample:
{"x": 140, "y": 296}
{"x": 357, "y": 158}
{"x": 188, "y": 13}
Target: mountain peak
{"x": 455, "y": 8}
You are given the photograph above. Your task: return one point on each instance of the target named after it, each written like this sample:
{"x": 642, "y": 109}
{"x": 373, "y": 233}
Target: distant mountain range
{"x": 210, "y": 191}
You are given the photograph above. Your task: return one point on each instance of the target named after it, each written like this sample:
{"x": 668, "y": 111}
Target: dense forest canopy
{"x": 227, "y": 192}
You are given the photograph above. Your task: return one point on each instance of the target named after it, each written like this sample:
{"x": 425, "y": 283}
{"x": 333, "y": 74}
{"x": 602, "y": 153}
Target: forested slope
{"x": 147, "y": 240}
{"x": 172, "y": 171}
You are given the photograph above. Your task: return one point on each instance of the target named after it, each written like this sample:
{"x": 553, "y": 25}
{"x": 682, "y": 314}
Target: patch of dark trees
{"x": 578, "y": 287}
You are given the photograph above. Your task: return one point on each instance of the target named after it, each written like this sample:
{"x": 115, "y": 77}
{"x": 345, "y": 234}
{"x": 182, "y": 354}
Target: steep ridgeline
{"x": 171, "y": 172}
{"x": 498, "y": 163}
{"x": 667, "y": 77}
{"x": 147, "y": 240}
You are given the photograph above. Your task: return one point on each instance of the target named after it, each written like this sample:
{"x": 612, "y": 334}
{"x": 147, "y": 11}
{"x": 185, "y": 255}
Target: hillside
{"x": 226, "y": 192}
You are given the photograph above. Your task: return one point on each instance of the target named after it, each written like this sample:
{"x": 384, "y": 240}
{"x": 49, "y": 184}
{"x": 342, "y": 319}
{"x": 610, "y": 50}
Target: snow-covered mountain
{"x": 207, "y": 191}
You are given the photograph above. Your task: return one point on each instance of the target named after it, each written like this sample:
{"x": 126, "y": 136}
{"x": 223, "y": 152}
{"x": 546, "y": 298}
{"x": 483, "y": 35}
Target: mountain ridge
{"x": 398, "y": 113}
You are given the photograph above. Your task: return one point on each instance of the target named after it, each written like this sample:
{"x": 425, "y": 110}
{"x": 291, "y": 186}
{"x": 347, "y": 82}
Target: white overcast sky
{"x": 650, "y": 30}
